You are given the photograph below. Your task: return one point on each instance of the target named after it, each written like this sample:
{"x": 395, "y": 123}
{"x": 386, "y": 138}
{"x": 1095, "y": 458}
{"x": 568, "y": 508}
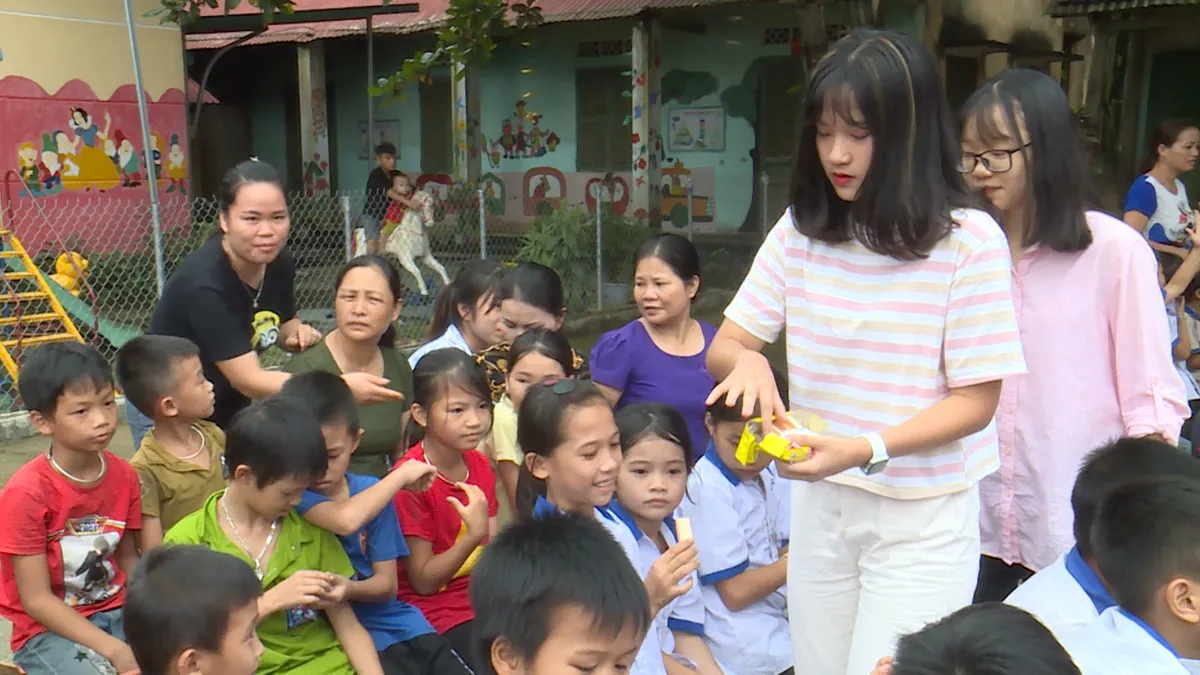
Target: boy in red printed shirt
{"x": 64, "y": 549}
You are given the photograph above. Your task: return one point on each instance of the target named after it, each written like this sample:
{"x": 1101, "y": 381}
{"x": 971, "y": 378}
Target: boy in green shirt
{"x": 274, "y": 449}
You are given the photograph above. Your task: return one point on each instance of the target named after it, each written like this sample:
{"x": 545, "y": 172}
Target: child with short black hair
{"x": 741, "y": 519}
{"x": 274, "y": 450}
{"x": 65, "y": 544}
{"x": 193, "y": 611}
{"x": 407, "y": 643}
{"x": 1145, "y": 541}
{"x": 1069, "y": 594}
{"x": 179, "y": 462}
{"x": 985, "y": 639}
{"x": 447, "y": 527}
{"x": 556, "y": 595}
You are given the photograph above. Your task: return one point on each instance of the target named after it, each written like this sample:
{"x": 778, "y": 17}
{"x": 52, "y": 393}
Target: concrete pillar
{"x": 314, "y": 118}
{"x": 646, "y": 120}
{"x": 464, "y": 88}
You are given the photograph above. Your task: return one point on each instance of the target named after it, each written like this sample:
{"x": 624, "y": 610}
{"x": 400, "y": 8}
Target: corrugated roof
{"x": 432, "y": 13}
{"x": 1060, "y": 8}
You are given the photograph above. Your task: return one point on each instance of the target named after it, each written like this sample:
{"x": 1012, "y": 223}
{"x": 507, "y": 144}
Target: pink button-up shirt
{"x": 1093, "y": 327}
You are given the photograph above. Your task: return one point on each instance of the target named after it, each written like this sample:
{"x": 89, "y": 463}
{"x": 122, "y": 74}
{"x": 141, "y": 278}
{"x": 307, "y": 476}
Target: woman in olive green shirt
{"x": 366, "y": 303}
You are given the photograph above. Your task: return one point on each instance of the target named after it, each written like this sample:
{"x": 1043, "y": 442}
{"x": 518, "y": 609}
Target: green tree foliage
{"x": 468, "y": 36}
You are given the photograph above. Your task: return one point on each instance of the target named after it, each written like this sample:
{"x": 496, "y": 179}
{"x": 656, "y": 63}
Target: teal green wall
{"x": 723, "y": 54}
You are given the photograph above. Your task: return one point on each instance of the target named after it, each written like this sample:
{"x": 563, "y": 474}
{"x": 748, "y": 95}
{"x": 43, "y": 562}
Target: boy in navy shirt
{"x": 406, "y": 641}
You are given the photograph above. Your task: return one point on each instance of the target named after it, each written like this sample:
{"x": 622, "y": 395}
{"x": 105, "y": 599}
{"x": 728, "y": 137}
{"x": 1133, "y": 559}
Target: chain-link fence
{"x": 101, "y": 259}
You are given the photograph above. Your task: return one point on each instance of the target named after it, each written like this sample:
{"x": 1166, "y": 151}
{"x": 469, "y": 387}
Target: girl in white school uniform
{"x": 740, "y": 520}
{"x": 656, "y": 449}
{"x": 573, "y": 454}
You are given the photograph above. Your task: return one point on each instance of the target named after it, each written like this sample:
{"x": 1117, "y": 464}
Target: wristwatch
{"x": 879, "y": 454}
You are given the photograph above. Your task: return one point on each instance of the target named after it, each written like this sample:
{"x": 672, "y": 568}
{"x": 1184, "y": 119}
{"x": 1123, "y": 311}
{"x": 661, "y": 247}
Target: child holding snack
{"x": 656, "y": 446}
{"x": 739, "y": 515}
{"x": 573, "y": 456}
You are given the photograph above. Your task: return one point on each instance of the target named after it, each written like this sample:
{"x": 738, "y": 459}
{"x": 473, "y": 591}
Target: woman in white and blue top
{"x": 741, "y": 518}
{"x": 574, "y": 454}
{"x": 465, "y": 314}
{"x": 1157, "y": 203}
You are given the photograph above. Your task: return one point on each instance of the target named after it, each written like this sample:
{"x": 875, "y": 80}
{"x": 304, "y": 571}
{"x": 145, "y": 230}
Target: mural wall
{"x": 74, "y": 160}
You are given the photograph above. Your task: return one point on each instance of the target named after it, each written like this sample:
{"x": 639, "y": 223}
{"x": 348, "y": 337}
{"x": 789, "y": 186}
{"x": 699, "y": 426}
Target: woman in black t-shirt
{"x": 233, "y": 297}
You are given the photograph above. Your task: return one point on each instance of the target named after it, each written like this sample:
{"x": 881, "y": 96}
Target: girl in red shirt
{"x": 447, "y": 526}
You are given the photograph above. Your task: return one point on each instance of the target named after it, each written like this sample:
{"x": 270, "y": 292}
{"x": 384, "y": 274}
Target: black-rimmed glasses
{"x": 994, "y": 161}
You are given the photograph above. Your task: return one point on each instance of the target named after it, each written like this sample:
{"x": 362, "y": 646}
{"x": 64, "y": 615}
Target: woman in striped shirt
{"x": 896, "y": 303}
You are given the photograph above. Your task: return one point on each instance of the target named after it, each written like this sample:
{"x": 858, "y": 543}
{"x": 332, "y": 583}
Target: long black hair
{"x": 1057, "y": 179}
{"x": 534, "y": 284}
{"x": 674, "y": 251}
{"x": 435, "y": 374}
{"x": 903, "y": 207}
{"x": 388, "y": 270}
{"x": 248, "y": 172}
{"x": 475, "y": 280}
{"x": 548, "y": 343}
{"x": 1167, "y": 134}
{"x": 640, "y": 421}
{"x": 542, "y": 427}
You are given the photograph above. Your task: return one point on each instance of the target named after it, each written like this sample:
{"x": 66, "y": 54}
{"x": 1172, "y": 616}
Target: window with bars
{"x": 603, "y": 140}
{"x": 780, "y": 36}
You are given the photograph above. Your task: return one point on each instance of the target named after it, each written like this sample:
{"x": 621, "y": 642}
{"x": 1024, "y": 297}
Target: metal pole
{"x": 766, "y": 214}
{"x": 370, "y": 99}
{"x": 691, "y": 215}
{"x": 152, "y": 175}
{"x": 600, "y": 191}
{"x": 482, "y": 224}
{"x": 348, "y": 226}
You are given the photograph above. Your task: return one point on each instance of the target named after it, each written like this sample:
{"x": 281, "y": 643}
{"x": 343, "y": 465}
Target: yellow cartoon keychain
{"x": 776, "y": 443}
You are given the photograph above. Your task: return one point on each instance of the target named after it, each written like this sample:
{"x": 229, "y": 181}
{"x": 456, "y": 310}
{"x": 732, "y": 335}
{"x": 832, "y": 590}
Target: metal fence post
{"x": 691, "y": 214}
{"x": 348, "y": 222}
{"x": 765, "y": 182}
{"x": 482, "y": 224}
{"x": 600, "y": 192}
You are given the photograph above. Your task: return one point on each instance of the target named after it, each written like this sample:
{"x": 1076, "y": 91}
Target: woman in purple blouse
{"x": 659, "y": 358}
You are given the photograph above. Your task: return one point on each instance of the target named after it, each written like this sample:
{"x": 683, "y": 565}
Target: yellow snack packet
{"x": 776, "y": 443}
{"x": 683, "y": 529}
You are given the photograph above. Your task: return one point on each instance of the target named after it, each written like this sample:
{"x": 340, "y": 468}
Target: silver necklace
{"x": 257, "y": 292}
{"x": 58, "y": 467}
{"x": 258, "y": 569}
{"x": 203, "y": 445}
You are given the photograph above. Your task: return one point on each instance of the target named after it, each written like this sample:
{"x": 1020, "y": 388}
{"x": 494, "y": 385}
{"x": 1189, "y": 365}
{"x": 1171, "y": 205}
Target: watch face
{"x": 875, "y": 467}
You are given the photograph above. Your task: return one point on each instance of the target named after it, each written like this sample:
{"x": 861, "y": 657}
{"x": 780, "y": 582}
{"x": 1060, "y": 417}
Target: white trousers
{"x": 864, "y": 570}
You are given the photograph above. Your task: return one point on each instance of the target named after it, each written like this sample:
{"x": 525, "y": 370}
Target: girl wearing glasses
{"x": 1093, "y": 325}
{"x": 895, "y": 299}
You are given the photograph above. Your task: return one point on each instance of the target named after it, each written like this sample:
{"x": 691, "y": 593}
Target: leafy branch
{"x": 468, "y": 37}
{"x": 183, "y": 12}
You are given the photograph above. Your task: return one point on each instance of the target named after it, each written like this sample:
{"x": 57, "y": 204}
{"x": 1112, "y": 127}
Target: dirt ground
{"x": 13, "y": 454}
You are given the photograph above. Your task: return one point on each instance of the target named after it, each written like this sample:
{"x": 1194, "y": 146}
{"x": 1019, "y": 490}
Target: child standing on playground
{"x": 64, "y": 545}
{"x": 446, "y": 527}
{"x": 180, "y": 461}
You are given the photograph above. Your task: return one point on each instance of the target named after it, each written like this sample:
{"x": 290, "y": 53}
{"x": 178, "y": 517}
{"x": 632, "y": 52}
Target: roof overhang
{"x": 240, "y": 22}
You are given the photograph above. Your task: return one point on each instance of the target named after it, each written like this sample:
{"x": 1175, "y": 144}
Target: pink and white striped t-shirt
{"x": 872, "y": 341}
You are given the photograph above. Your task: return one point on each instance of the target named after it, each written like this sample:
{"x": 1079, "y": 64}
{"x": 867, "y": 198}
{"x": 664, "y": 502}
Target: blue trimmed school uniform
{"x": 1066, "y": 596}
{"x": 684, "y": 614}
{"x": 1119, "y": 643}
{"x": 740, "y": 525}
{"x": 649, "y": 659}
{"x": 388, "y": 622}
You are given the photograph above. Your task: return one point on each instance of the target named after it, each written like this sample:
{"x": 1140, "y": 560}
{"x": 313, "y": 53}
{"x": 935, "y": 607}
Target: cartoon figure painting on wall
{"x": 677, "y": 180}
{"x": 516, "y": 141}
{"x": 495, "y": 193}
{"x": 544, "y": 189}
{"x": 615, "y": 193}
{"x": 96, "y": 169}
{"x": 176, "y": 166}
{"x": 128, "y": 160}
{"x": 315, "y": 172}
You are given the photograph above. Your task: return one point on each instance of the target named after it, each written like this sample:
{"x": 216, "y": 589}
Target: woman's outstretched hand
{"x": 752, "y": 381}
